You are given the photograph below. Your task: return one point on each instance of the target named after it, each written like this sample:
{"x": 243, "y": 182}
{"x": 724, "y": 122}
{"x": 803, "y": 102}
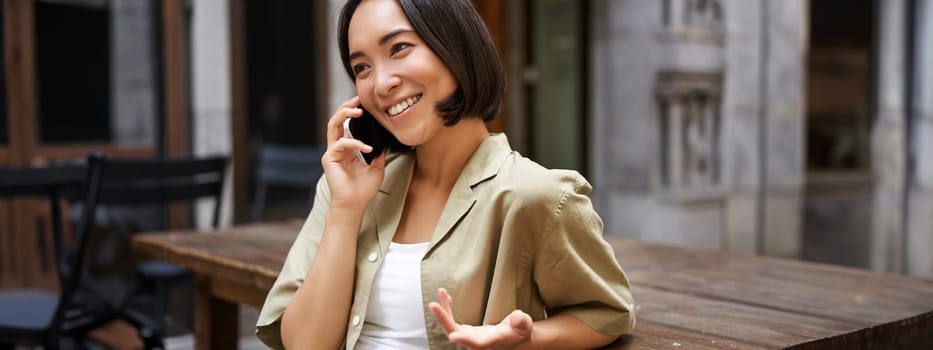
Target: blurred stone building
{"x": 780, "y": 127}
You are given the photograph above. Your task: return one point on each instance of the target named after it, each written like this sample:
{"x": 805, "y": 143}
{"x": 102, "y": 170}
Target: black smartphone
{"x": 367, "y": 129}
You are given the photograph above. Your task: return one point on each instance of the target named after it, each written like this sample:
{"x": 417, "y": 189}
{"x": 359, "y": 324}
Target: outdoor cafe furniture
{"x": 686, "y": 298}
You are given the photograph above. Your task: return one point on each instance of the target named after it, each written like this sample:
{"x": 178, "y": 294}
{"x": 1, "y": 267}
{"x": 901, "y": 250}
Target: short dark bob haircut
{"x": 454, "y": 31}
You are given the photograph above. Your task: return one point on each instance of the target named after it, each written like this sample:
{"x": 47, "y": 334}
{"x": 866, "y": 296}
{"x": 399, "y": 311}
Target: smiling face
{"x": 398, "y": 78}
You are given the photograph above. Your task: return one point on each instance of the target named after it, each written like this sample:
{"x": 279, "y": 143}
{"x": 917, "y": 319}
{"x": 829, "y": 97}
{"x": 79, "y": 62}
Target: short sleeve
{"x": 575, "y": 268}
{"x": 294, "y": 270}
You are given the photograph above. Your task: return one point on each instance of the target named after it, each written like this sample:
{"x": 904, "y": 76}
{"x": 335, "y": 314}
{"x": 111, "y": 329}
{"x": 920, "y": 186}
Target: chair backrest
{"x": 55, "y": 183}
{"x": 286, "y": 165}
{"x": 162, "y": 181}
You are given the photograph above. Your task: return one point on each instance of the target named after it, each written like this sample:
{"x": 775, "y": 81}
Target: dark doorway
{"x": 840, "y": 99}
{"x": 282, "y": 89}
{"x": 556, "y": 87}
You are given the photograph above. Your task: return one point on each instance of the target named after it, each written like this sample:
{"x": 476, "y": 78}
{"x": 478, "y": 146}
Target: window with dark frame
{"x": 73, "y": 73}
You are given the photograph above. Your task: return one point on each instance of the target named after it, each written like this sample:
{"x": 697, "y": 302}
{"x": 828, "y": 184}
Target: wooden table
{"x": 686, "y": 298}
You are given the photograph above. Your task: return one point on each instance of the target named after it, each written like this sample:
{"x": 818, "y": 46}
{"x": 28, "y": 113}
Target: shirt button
{"x": 356, "y": 320}
{"x": 373, "y": 256}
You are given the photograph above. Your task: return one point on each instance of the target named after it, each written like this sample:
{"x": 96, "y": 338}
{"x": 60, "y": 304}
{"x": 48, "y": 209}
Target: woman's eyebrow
{"x": 393, "y": 34}
{"x": 383, "y": 40}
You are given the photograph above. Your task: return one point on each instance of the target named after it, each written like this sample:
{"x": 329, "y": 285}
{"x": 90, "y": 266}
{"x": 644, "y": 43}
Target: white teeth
{"x": 402, "y": 106}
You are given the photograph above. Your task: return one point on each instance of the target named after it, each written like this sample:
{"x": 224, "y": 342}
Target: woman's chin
{"x": 409, "y": 140}
{"x": 409, "y": 144}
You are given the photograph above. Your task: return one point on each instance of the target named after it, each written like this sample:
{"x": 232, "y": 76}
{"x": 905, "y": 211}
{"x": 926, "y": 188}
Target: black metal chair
{"x": 41, "y": 317}
{"x": 160, "y": 182}
{"x": 288, "y": 166}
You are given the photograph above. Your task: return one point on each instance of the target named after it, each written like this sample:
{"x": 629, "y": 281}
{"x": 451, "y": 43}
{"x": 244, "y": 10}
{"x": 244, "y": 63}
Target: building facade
{"x": 788, "y": 128}
{"x": 767, "y": 127}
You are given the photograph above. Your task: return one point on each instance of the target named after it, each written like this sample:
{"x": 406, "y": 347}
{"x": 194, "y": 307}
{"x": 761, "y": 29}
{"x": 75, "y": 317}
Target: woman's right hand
{"x": 351, "y": 181}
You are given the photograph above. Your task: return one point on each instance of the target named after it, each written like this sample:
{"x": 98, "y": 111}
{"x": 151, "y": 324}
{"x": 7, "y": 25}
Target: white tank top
{"x": 395, "y": 314}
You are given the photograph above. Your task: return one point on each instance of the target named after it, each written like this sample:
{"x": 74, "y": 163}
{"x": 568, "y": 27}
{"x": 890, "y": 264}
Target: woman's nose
{"x": 386, "y": 81}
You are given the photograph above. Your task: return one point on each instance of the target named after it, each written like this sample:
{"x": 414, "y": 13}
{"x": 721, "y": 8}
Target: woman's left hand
{"x": 512, "y": 332}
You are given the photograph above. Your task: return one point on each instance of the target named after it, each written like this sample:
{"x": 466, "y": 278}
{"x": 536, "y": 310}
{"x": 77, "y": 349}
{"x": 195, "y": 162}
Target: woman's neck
{"x": 440, "y": 161}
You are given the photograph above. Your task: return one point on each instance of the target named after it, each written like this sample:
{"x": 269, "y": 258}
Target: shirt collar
{"x": 482, "y": 165}
{"x": 485, "y": 163}
{"x": 486, "y": 160}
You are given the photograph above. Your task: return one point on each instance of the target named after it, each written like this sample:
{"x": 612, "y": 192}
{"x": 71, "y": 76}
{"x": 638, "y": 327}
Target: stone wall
{"x": 696, "y": 124}
{"x": 920, "y": 218}
{"x": 741, "y": 126}
{"x": 888, "y": 139}
{"x": 783, "y": 96}
{"x": 212, "y": 120}
{"x": 133, "y": 74}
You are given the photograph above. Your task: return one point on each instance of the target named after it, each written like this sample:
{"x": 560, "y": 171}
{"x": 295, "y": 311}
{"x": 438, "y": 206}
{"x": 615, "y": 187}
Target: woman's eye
{"x": 399, "y": 47}
{"x": 357, "y": 69}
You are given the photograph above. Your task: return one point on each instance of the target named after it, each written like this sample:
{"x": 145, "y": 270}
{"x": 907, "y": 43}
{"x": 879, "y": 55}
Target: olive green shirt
{"x": 513, "y": 235}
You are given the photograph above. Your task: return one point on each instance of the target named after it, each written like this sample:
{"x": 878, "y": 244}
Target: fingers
{"x": 443, "y": 312}
{"x": 446, "y": 300}
{"x": 348, "y": 109}
{"x": 514, "y": 328}
{"x": 444, "y": 318}
{"x": 521, "y": 323}
{"x": 380, "y": 161}
{"x": 338, "y": 147}
{"x": 342, "y": 148}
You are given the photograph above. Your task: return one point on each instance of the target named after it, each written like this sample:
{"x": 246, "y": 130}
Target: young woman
{"x": 456, "y": 240}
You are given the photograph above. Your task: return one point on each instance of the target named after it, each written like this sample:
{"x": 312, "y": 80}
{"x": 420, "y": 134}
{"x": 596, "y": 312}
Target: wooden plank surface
{"x": 836, "y": 292}
{"x": 734, "y": 323}
{"x": 650, "y": 335}
{"x": 252, "y": 255}
{"x": 802, "y": 303}
{"x": 686, "y": 298}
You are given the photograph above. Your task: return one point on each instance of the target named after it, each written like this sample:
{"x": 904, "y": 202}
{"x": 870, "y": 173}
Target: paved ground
{"x": 248, "y": 340}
